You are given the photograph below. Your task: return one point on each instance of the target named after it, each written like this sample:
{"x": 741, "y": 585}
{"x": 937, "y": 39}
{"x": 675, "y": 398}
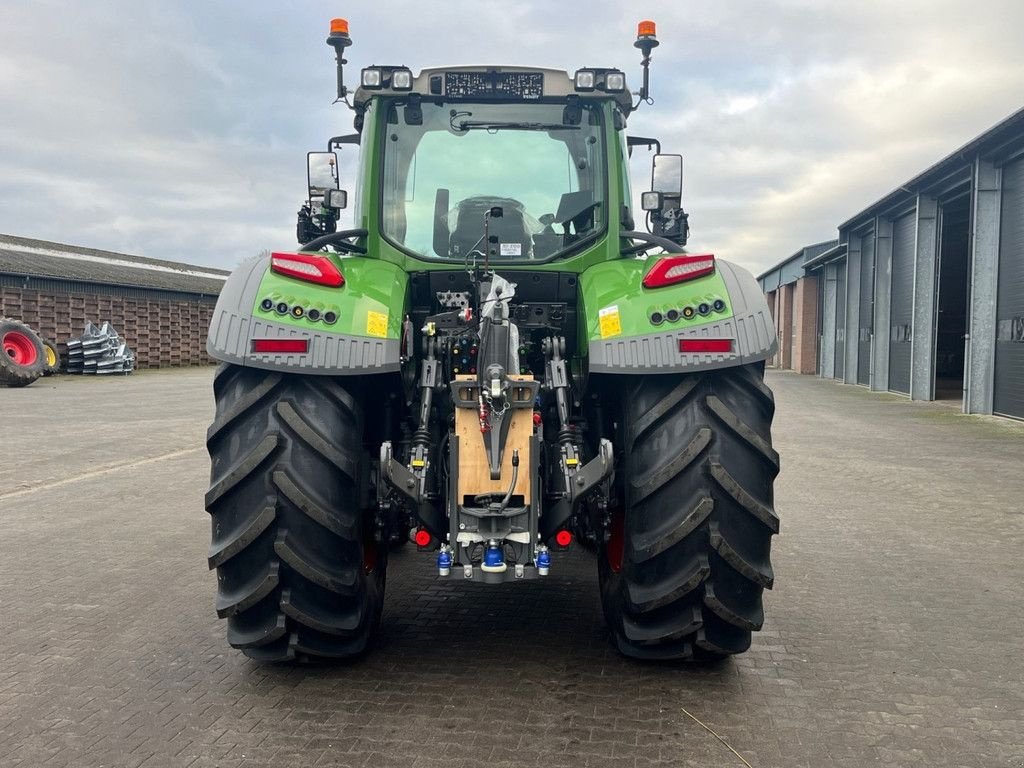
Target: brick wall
{"x": 805, "y": 309}
{"x": 163, "y": 333}
{"x": 784, "y": 326}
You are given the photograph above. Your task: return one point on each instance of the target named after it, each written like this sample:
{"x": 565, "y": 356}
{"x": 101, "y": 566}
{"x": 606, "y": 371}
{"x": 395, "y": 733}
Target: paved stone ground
{"x": 893, "y": 638}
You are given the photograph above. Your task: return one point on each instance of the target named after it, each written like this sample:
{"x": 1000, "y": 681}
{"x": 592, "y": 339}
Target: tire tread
{"x": 288, "y": 532}
{"x": 698, "y": 517}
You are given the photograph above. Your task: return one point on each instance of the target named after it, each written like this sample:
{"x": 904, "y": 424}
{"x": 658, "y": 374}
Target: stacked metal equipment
{"x": 99, "y": 351}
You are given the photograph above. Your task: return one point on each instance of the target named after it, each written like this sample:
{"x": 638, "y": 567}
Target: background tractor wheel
{"x": 22, "y": 357}
{"x": 688, "y": 558}
{"x": 298, "y": 572}
{"x": 51, "y": 358}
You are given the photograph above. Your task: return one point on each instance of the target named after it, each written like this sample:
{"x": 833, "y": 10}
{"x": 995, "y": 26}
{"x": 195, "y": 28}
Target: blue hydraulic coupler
{"x": 494, "y": 558}
{"x": 543, "y": 561}
{"x": 444, "y": 561}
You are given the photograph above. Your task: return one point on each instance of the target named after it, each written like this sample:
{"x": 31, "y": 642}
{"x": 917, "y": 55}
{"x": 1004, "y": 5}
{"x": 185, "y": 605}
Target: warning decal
{"x": 611, "y": 324}
{"x": 376, "y": 324}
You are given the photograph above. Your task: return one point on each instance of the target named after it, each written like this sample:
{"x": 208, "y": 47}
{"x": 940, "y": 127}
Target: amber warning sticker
{"x": 611, "y": 324}
{"x": 376, "y": 324}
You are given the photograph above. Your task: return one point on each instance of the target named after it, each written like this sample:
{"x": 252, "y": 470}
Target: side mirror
{"x": 336, "y": 199}
{"x": 322, "y": 172}
{"x": 664, "y": 203}
{"x": 667, "y": 175}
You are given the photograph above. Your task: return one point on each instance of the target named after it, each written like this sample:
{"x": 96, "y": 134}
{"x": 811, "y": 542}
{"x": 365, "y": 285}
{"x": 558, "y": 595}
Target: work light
{"x": 615, "y": 82}
{"x": 585, "y": 80}
{"x": 401, "y": 80}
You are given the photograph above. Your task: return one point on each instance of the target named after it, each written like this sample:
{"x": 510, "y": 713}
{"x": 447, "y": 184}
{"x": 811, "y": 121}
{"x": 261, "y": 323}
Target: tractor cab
{"x": 504, "y": 164}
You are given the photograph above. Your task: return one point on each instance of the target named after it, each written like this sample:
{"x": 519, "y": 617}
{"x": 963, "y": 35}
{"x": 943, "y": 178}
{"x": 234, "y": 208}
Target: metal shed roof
{"x": 837, "y": 251}
{"x": 22, "y": 256}
{"x": 1008, "y": 132}
{"x": 791, "y": 269}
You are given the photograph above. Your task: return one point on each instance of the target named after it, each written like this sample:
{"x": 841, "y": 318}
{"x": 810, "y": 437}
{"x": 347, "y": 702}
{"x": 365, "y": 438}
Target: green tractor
{"x": 496, "y": 364}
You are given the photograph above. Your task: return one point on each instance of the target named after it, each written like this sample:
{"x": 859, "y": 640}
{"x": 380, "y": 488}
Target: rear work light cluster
{"x": 670, "y": 270}
{"x": 313, "y": 314}
{"x": 395, "y": 78}
{"x": 689, "y": 311}
{"x": 310, "y": 267}
{"x": 607, "y": 80}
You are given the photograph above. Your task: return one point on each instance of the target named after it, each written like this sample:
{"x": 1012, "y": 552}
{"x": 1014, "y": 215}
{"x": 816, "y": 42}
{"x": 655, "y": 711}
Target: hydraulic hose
{"x": 663, "y": 242}
{"x": 337, "y": 239}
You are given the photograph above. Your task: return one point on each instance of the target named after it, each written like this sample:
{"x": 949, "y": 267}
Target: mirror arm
{"x": 642, "y": 141}
{"x": 336, "y": 142}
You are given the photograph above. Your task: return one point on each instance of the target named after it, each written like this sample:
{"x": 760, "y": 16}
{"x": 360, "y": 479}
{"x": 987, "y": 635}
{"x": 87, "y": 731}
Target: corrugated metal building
{"x": 161, "y": 309}
{"x": 793, "y": 300}
{"x": 923, "y": 295}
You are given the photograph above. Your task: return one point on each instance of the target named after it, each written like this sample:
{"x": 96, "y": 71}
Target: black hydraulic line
{"x": 669, "y": 245}
{"x": 338, "y": 239}
{"x": 484, "y": 498}
{"x": 515, "y": 477}
{"x": 421, "y": 437}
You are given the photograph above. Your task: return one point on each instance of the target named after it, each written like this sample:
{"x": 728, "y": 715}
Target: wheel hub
{"x": 19, "y": 348}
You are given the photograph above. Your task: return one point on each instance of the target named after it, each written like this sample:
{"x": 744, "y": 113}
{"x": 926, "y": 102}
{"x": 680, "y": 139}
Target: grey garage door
{"x": 840, "y": 320}
{"x": 901, "y": 306}
{"x": 1008, "y": 396}
{"x": 867, "y": 307}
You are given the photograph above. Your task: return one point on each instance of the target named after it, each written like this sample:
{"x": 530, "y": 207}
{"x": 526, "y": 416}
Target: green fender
{"x": 366, "y": 311}
{"x": 633, "y": 329}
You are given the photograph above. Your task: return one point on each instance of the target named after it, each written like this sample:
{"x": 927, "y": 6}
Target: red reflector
{"x": 300, "y": 346}
{"x": 705, "y": 345}
{"x": 423, "y": 537}
{"x": 563, "y": 538}
{"x": 308, "y": 267}
{"x": 670, "y": 270}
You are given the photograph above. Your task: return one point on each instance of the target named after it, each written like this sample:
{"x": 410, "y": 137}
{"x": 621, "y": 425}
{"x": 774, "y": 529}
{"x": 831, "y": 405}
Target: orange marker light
{"x": 339, "y": 26}
{"x": 646, "y": 29}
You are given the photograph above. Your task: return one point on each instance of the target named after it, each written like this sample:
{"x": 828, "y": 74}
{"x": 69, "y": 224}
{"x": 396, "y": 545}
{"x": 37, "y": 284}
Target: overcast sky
{"x": 178, "y": 130}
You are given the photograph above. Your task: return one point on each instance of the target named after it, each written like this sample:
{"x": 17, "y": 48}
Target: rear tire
{"x": 22, "y": 357}
{"x": 683, "y": 572}
{"x": 299, "y": 575}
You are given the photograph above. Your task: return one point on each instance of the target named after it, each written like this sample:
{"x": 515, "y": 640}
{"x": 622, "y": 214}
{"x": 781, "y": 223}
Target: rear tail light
{"x": 308, "y": 267}
{"x": 670, "y": 270}
{"x": 291, "y": 346}
{"x": 705, "y": 345}
{"x": 563, "y": 538}
{"x": 423, "y": 538}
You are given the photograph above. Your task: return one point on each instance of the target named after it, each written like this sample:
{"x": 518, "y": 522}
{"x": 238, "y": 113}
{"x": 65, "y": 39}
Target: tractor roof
{"x": 496, "y": 83}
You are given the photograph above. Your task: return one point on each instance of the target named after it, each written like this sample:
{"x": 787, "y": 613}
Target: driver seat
{"x": 514, "y": 238}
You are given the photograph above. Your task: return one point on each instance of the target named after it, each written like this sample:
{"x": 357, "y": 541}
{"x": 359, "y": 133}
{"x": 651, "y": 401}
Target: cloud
{"x": 179, "y": 130}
